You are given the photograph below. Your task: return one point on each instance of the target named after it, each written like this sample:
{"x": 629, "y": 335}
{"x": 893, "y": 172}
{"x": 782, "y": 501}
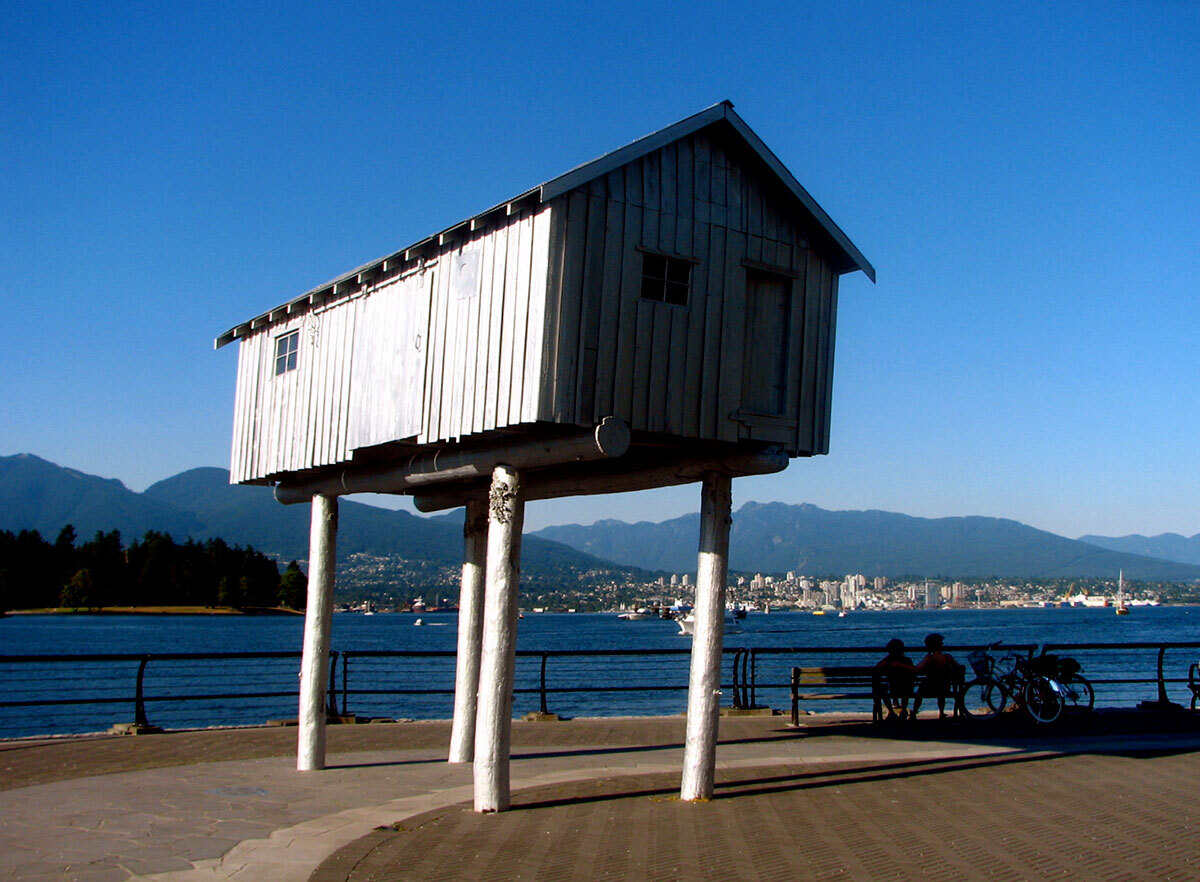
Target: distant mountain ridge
{"x": 1167, "y": 546}
{"x": 767, "y": 537}
{"x": 201, "y": 503}
{"x": 777, "y": 538}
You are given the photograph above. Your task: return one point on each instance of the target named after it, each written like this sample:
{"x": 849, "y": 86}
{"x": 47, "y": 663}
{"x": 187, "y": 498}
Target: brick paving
{"x": 1085, "y": 817}
{"x": 1106, "y": 798}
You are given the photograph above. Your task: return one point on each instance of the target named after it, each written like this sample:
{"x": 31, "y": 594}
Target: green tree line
{"x": 153, "y": 571}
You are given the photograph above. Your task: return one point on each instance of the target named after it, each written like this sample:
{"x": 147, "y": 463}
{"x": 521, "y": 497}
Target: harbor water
{"x": 583, "y": 685}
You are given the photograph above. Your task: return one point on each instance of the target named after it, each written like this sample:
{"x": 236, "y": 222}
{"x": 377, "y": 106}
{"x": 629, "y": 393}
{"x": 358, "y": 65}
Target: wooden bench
{"x": 834, "y": 683}
{"x": 1194, "y": 682}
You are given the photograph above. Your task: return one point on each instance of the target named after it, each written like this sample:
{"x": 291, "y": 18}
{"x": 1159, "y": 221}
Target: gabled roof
{"x": 721, "y": 113}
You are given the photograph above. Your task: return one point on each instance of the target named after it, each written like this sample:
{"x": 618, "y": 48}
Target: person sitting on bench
{"x": 938, "y": 672}
{"x": 894, "y": 677}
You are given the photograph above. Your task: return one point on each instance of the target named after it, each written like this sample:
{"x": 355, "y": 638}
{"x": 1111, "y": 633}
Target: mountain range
{"x": 766, "y": 537}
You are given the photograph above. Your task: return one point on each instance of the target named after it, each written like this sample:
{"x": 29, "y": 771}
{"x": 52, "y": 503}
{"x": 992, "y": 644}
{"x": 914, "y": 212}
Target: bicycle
{"x": 984, "y": 697}
{"x": 1044, "y": 686}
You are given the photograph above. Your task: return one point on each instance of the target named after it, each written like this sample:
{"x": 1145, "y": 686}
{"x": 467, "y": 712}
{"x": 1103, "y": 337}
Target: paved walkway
{"x": 595, "y": 799}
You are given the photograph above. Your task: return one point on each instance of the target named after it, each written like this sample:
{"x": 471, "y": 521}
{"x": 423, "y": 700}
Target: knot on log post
{"x": 502, "y": 501}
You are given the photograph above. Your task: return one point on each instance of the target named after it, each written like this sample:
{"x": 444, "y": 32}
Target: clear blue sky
{"x": 1024, "y": 176}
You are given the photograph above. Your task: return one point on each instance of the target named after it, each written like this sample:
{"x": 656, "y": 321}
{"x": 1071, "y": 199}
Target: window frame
{"x": 287, "y": 359}
{"x": 670, "y": 262}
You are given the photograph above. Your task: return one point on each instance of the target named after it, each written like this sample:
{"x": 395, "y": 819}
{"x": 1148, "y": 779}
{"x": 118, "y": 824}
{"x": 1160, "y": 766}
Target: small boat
{"x": 818, "y": 612}
{"x": 418, "y": 622}
{"x": 1122, "y": 609}
{"x": 687, "y": 624}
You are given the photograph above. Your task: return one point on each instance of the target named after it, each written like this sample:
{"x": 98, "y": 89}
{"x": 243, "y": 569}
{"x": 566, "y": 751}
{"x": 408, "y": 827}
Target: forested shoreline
{"x": 152, "y": 571}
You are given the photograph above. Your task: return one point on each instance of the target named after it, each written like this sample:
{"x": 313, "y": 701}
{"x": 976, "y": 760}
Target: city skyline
{"x": 1024, "y": 180}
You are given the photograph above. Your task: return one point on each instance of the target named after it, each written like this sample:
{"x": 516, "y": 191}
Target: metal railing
{"x": 49, "y": 694}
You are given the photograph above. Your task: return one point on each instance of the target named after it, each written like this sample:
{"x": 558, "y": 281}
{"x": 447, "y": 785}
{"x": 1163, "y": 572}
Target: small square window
{"x": 287, "y": 348}
{"x": 666, "y": 279}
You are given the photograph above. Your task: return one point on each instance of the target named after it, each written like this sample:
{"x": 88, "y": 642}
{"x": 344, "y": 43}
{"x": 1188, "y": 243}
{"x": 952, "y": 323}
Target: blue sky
{"x": 1025, "y": 177}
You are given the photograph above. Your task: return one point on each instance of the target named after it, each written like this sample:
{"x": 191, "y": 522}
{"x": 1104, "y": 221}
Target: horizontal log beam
{"x": 610, "y": 439}
{"x": 614, "y": 477}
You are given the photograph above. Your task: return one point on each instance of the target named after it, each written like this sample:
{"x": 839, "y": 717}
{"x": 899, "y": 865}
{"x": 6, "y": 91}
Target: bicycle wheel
{"x": 1042, "y": 699}
{"x": 1078, "y": 694}
{"x": 983, "y": 698}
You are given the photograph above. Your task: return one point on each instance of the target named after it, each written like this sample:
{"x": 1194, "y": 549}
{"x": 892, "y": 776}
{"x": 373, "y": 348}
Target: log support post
{"x": 318, "y": 619}
{"x": 470, "y": 632}
{"x": 704, "y": 680}
{"x": 493, "y": 730}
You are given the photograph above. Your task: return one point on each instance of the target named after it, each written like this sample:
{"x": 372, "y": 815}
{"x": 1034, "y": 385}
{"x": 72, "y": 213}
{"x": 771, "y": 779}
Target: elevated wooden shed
{"x": 662, "y": 314}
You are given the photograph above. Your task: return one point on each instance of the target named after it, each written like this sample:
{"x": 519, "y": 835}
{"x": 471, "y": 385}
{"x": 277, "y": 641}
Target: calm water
{"x": 425, "y": 681}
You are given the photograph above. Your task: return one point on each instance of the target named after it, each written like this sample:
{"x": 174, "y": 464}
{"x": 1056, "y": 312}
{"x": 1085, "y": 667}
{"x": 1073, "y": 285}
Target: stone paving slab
{"x": 230, "y": 805}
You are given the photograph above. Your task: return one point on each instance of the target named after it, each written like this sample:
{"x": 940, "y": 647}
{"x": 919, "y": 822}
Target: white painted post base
{"x": 493, "y": 729}
{"x": 704, "y": 680}
{"x": 470, "y": 633}
{"x": 318, "y": 619}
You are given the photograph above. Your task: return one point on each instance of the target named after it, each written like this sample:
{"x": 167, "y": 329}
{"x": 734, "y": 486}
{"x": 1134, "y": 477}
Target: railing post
{"x": 796, "y": 697}
{"x": 737, "y": 687}
{"x": 331, "y": 695}
{"x": 139, "y": 710}
{"x": 753, "y": 678}
{"x": 345, "y": 664}
{"x": 545, "y": 709}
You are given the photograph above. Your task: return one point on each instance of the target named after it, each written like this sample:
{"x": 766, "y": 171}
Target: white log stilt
{"x": 493, "y": 729}
{"x": 704, "y": 680}
{"x": 318, "y": 617}
{"x": 470, "y": 632}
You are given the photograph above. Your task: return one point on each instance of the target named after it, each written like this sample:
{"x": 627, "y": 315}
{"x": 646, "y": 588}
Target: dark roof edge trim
{"x": 577, "y": 177}
{"x": 580, "y": 175}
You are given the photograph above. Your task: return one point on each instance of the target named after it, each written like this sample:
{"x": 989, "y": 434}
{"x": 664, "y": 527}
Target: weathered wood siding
{"x": 680, "y": 370}
{"x": 300, "y": 418}
{"x": 442, "y": 353}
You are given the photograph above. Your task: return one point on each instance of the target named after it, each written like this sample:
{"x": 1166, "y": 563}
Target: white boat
{"x": 687, "y": 624}
{"x": 635, "y": 615}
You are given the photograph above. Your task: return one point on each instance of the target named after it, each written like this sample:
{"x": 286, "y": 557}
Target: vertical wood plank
{"x": 733, "y": 332}
{"x": 520, "y": 333}
{"x": 609, "y": 313}
{"x": 592, "y": 297}
{"x": 556, "y": 267}
{"x": 692, "y": 371}
{"x": 500, "y": 294}
{"x": 569, "y": 313}
{"x": 677, "y": 382}
{"x": 710, "y": 362}
{"x": 829, "y": 360}
{"x": 660, "y": 354}
{"x": 628, "y": 296}
{"x": 805, "y": 429}
{"x": 508, "y": 324}
{"x": 536, "y": 334}
{"x": 643, "y": 328}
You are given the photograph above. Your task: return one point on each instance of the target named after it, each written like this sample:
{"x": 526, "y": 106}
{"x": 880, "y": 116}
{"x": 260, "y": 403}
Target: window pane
{"x": 679, "y": 271}
{"x": 677, "y": 294}
{"x": 652, "y": 289}
{"x": 654, "y": 266}
{"x": 286, "y": 348}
